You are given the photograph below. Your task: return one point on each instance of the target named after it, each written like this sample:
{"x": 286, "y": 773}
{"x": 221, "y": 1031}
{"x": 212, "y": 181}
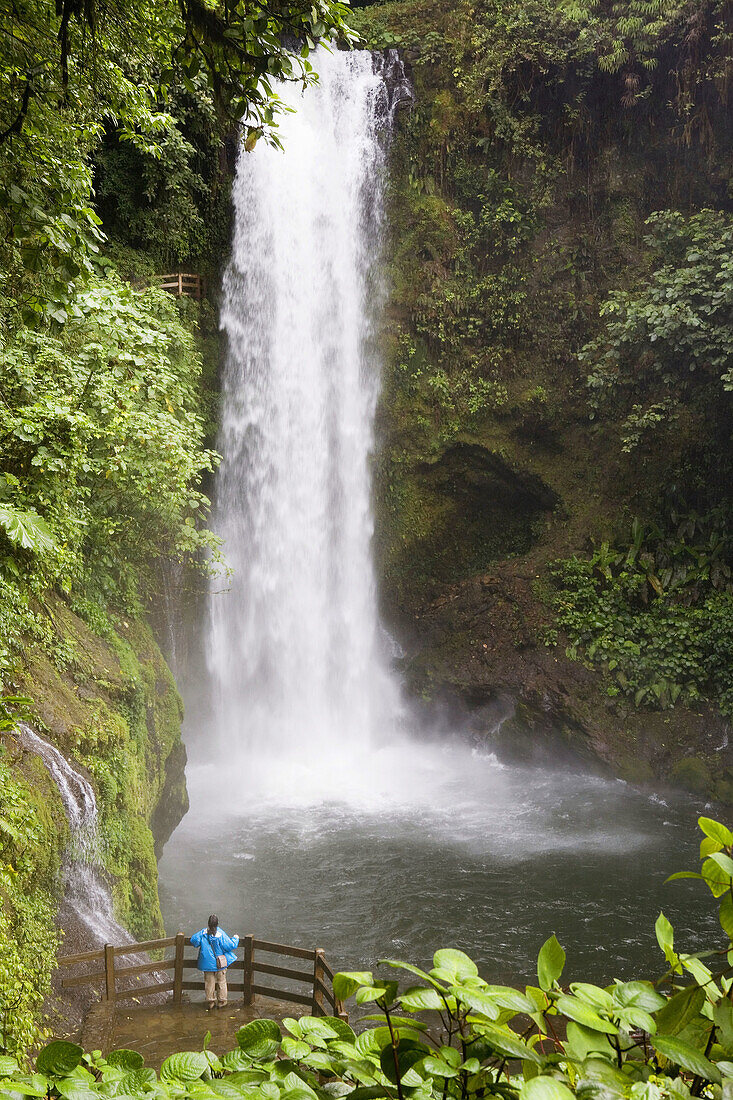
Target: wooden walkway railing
{"x": 114, "y": 981}
{"x": 178, "y": 283}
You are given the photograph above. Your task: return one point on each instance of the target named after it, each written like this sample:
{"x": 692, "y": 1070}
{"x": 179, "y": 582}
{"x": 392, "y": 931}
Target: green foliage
{"x": 29, "y": 860}
{"x": 71, "y": 74}
{"x": 101, "y": 434}
{"x": 657, "y": 615}
{"x": 668, "y": 346}
{"x": 447, "y": 1034}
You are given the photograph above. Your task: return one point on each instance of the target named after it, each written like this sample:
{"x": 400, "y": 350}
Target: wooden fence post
{"x": 178, "y": 970}
{"x": 249, "y": 958}
{"x": 318, "y": 975}
{"x": 109, "y": 971}
{"x": 180, "y": 284}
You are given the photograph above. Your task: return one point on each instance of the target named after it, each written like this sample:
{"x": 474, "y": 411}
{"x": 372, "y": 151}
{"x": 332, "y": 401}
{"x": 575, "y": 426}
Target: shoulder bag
{"x": 221, "y": 960}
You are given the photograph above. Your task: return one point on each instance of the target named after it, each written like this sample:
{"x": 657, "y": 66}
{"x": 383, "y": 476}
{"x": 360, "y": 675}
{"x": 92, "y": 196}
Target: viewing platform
{"x": 259, "y": 985}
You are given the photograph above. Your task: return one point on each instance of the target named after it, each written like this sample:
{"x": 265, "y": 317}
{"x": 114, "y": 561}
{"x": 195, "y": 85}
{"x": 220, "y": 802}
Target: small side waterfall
{"x": 296, "y": 652}
{"x": 86, "y": 894}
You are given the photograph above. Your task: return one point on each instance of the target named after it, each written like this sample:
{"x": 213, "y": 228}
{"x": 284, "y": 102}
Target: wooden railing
{"x": 179, "y": 283}
{"x": 116, "y": 982}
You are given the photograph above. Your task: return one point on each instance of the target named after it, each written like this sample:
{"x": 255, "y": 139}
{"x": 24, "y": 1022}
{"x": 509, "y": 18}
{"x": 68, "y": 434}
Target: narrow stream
{"x": 319, "y": 813}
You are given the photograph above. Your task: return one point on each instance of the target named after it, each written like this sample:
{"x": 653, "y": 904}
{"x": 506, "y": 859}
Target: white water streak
{"x": 86, "y": 892}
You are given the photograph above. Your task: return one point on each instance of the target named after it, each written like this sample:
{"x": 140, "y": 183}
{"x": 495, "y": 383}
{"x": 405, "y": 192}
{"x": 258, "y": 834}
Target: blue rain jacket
{"x": 220, "y": 944}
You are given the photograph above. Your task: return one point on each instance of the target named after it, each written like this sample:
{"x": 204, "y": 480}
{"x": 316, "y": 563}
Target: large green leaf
{"x": 639, "y": 995}
{"x": 59, "y": 1058}
{"x": 235, "y": 1059}
{"x": 723, "y": 1019}
{"x": 583, "y": 1014}
{"x": 506, "y": 997}
{"x": 26, "y": 529}
{"x": 186, "y": 1065}
{"x": 295, "y": 1048}
{"x": 717, "y": 832}
{"x": 383, "y": 991}
{"x": 72, "y": 1089}
{"x": 127, "y": 1059}
{"x": 437, "y": 1067}
{"x": 8, "y": 1065}
{"x": 35, "y": 1085}
{"x": 665, "y": 938}
{"x": 477, "y": 1000}
{"x": 341, "y": 1029}
{"x": 679, "y": 1010}
{"x": 593, "y": 995}
{"x": 686, "y": 1056}
{"x": 550, "y": 963}
{"x": 507, "y": 1043}
{"x": 725, "y": 914}
{"x": 419, "y": 997}
{"x": 346, "y": 982}
{"x": 452, "y": 965}
{"x": 582, "y": 1041}
{"x": 318, "y": 1027}
{"x": 545, "y": 1088}
{"x": 138, "y": 1080}
{"x": 717, "y": 878}
{"x": 259, "y": 1039}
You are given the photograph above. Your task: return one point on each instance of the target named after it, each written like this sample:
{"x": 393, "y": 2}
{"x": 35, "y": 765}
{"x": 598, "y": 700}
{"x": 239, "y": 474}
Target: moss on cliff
{"x": 113, "y": 708}
{"x": 33, "y": 834}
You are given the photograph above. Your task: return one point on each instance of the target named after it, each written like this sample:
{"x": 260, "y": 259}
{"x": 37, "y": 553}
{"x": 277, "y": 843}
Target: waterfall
{"x": 299, "y": 662}
{"x": 86, "y": 894}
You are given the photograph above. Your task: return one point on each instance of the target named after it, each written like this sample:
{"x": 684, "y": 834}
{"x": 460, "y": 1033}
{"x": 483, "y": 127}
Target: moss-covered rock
{"x": 693, "y": 774}
{"x": 113, "y": 708}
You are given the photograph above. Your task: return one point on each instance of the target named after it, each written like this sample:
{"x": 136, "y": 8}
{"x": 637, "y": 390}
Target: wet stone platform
{"x": 159, "y": 1030}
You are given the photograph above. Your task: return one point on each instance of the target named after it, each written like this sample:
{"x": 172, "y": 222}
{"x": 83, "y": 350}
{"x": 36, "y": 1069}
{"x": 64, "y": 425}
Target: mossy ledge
{"x": 112, "y": 707}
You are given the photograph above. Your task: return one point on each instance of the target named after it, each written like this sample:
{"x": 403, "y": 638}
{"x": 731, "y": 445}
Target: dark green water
{"x": 385, "y": 856}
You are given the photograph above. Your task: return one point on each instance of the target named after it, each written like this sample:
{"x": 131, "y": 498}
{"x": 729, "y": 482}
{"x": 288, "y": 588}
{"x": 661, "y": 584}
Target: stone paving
{"x": 159, "y": 1030}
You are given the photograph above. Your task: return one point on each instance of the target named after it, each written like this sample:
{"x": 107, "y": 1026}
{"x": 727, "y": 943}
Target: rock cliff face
{"x": 521, "y": 181}
{"x": 111, "y": 706}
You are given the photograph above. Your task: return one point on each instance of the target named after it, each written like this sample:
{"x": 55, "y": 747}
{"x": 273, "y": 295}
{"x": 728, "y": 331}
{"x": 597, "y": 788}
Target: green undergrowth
{"x": 656, "y": 615}
{"x": 32, "y": 834}
{"x": 560, "y": 296}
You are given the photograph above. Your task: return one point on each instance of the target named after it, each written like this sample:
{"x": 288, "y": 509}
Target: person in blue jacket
{"x": 216, "y": 952}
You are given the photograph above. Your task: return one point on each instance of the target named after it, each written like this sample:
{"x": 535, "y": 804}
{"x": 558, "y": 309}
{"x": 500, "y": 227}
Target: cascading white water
{"x": 86, "y": 894}
{"x": 296, "y": 651}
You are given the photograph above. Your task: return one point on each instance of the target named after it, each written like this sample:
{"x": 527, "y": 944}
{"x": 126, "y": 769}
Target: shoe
{"x": 222, "y": 1006}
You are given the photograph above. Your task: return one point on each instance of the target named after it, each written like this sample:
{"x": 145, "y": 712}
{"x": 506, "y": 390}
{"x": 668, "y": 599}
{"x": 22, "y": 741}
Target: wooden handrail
{"x": 178, "y": 283}
{"x": 318, "y": 980}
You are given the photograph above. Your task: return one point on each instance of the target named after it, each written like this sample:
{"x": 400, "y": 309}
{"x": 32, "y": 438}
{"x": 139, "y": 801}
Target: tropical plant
{"x": 655, "y": 614}
{"x": 668, "y": 346}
